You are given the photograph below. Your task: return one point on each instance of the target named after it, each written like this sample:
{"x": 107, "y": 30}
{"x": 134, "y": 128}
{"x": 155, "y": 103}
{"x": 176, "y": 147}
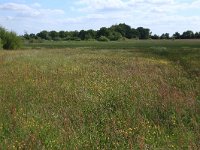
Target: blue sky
{"x": 160, "y": 16}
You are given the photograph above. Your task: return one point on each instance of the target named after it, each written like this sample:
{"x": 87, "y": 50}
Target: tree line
{"x": 122, "y": 31}
{"x": 113, "y": 33}
{"x": 185, "y": 35}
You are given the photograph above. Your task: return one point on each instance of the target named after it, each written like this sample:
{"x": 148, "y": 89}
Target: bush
{"x": 1, "y": 46}
{"x": 9, "y": 40}
{"x": 39, "y": 40}
{"x": 57, "y": 39}
{"x": 91, "y": 40}
{"x": 123, "y": 39}
{"x": 103, "y": 39}
{"x": 114, "y": 36}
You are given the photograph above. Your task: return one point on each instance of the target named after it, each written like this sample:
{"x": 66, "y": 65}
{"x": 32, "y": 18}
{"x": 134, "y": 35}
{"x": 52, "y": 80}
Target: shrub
{"x": 9, "y": 40}
{"x": 39, "y": 40}
{"x": 114, "y": 36}
{"x": 57, "y": 39}
{"x": 123, "y": 39}
{"x": 103, "y": 39}
{"x": 1, "y": 46}
{"x": 91, "y": 40}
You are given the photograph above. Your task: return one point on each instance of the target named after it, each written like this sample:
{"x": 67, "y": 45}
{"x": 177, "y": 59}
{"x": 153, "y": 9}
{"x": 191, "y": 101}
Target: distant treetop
{"x": 113, "y": 33}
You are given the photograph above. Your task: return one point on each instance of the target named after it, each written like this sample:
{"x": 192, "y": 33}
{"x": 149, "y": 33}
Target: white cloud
{"x": 147, "y": 13}
{"x": 29, "y": 11}
{"x": 20, "y": 8}
{"x": 36, "y": 5}
{"x": 28, "y": 17}
{"x": 158, "y": 15}
{"x": 92, "y": 5}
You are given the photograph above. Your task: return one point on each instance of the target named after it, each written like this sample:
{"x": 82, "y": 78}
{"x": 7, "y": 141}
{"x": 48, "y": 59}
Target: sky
{"x": 161, "y": 16}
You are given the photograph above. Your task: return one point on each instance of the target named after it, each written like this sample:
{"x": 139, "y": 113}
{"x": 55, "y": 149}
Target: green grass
{"x": 94, "y": 95}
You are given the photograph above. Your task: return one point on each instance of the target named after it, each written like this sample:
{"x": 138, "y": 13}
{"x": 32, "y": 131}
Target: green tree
{"x": 2, "y": 32}
{"x": 177, "y": 35}
{"x": 123, "y": 29}
{"x": 82, "y": 34}
{"x": 155, "y": 36}
{"x": 165, "y": 36}
{"x": 54, "y": 35}
{"x": 187, "y": 35}
{"x": 62, "y": 34}
{"x": 134, "y": 33}
{"x": 103, "y": 32}
{"x": 144, "y": 33}
{"x": 91, "y": 33}
{"x": 44, "y": 35}
{"x": 32, "y": 36}
{"x": 197, "y": 35}
{"x": 26, "y": 36}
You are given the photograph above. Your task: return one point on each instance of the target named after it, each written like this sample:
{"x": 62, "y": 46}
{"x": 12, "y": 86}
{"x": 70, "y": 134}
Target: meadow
{"x": 101, "y": 95}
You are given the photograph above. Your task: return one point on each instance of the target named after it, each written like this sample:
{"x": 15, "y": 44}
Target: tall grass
{"x": 105, "y": 99}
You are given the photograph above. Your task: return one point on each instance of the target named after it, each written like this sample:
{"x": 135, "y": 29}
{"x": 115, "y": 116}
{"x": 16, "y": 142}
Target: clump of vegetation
{"x": 9, "y": 40}
{"x": 1, "y": 46}
{"x": 103, "y": 39}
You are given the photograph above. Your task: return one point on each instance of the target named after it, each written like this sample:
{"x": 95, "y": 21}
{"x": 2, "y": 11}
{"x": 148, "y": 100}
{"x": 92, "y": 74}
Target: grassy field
{"x": 96, "y": 95}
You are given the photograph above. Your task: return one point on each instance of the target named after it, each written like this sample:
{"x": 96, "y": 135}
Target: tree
{"x": 90, "y": 34}
{"x": 74, "y": 34}
{"x": 177, "y": 35}
{"x": 134, "y": 33}
{"x": 197, "y": 35}
{"x": 44, "y": 35}
{"x": 68, "y": 35}
{"x": 32, "y": 36}
{"x": 103, "y": 32}
{"x": 144, "y": 33}
{"x": 54, "y": 35}
{"x": 155, "y": 37}
{"x": 123, "y": 29}
{"x": 165, "y": 36}
{"x": 187, "y": 35}
{"x": 26, "y": 36}
{"x": 62, "y": 34}
{"x": 82, "y": 35}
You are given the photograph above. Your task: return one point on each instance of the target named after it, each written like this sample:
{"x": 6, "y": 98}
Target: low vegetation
{"x": 103, "y": 39}
{"x": 101, "y": 95}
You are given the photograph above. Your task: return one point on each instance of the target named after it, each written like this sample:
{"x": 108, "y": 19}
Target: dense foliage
{"x": 113, "y": 33}
{"x": 9, "y": 40}
{"x": 1, "y": 46}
